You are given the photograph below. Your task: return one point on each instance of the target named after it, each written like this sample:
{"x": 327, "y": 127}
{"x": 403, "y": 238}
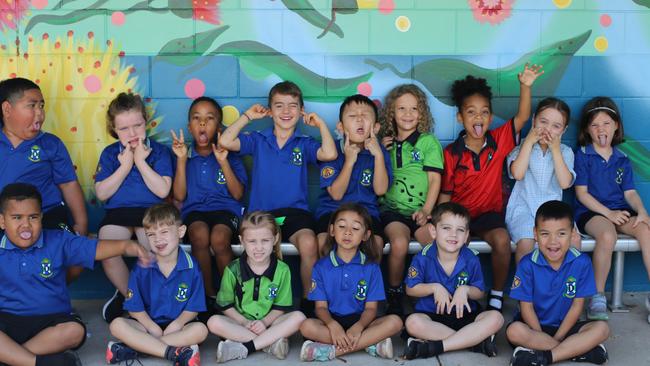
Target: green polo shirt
{"x": 254, "y": 296}
{"x": 411, "y": 159}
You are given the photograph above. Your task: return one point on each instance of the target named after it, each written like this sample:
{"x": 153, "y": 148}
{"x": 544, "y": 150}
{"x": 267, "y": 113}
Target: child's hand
{"x": 530, "y": 74}
{"x": 534, "y": 135}
{"x": 460, "y": 301}
{"x": 441, "y": 297}
{"x": 312, "y": 119}
{"x": 257, "y": 111}
{"x": 618, "y": 217}
{"x": 351, "y": 151}
{"x": 256, "y": 326}
{"x": 219, "y": 152}
{"x": 354, "y": 333}
{"x": 387, "y": 141}
{"x": 126, "y": 157}
{"x": 172, "y": 328}
{"x": 554, "y": 142}
{"x": 420, "y": 217}
{"x": 641, "y": 218}
{"x": 141, "y": 151}
{"x": 155, "y": 330}
{"x": 178, "y": 144}
{"x": 145, "y": 257}
{"x": 371, "y": 144}
{"x": 339, "y": 338}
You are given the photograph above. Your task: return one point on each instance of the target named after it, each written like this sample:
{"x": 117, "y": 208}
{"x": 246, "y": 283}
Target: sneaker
{"x": 383, "y": 349}
{"x": 71, "y": 358}
{"x": 117, "y": 352}
{"x": 113, "y": 307}
{"x": 597, "y": 355}
{"x": 487, "y": 347}
{"x": 597, "y": 309}
{"x": 394, "y": 302}
{"x": 229, "y": 350}
{"x": 527, "y": 357}
{"x": 491, "y": 305}
{"x": 314, "y": 351}
{"x": 413, "y": 349}
{"x": 188, "y": 356}
{"x": 279, "y": 348}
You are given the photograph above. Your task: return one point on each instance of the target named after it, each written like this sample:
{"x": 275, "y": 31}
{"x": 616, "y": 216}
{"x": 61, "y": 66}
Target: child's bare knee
{"x": 71, "y": 334}
{"x": 516, "y": 332}
{"x": 601, "y": 328}
{"x": 395, "y": 323}
{"x": 413, "y": 324}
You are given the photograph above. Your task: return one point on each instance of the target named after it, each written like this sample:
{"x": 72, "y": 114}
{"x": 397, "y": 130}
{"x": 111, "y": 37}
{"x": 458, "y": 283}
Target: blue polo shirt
{"x": 33, "y": 279}
{"x": 206, "y": 184}
{"x": 552, "y": 292}
{"x": 42, "y": 161}
{"x": 279, "y": 176}
{"x": 165, "y": 298}
{"x": 606, "y": 180}
{"x": 359, "y": 189}
{"x": 425, "y": 268}
{"x": 133, "y": 192}
{"x": 346, "y": 286}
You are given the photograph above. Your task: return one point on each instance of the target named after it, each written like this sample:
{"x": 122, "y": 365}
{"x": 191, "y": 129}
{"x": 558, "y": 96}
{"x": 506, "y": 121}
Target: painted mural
{"x": 83, "y": 52}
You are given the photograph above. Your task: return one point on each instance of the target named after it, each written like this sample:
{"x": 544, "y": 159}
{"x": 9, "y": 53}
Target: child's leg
{"x": 192, "y": 333}
{"x": 378, "y": 330}
{"x": 589, "y": 336}
{"x": 642, "y": 234}
{"x": 604, "y": 232}
{"x": 59, "y": 338}
{"x": 423, "y": 235}
{"x": 486, "y": 324}
{"x": 115, "y": 268}
{"x": 227, "y": 328}
{"x": 11, "y": 353}
{"x": 520, "y": 334}
{"x": 399, "y": 237}
{"x": 220, "y": 238}
{"x": 199, "y": 235}
{"x": 284, "y": 326}
{"x": 315, "y": 330}
{"x": 321, "y": 238}
{"x": 524, "y": 246}
{"x": 134, "y": 335}
{"x": 305, "y": 242}
{"x": 499, "y": 241}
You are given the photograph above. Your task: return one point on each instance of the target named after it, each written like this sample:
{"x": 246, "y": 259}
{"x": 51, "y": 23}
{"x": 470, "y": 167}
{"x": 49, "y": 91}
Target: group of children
{"x": 386, "y": 179}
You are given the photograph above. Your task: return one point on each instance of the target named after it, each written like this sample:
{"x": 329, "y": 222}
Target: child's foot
{"x": 117, "y": 352}
{"x": 597, "y": 355}
{"x": 411, "y": 349}
{"x": 597, "y": 309}
{"x": 394, "y": 298}
{"x": 279, "y": 348}
{"x": 487, "y": 347}
{"x": 113, "y": 308}
{"x": 228, "y": 350}
{"x": 188, "y": 356}
{"x": 495, "y": 300}
{"x": 383, "y": 349}
{"x": 416, "y": 348}
{"x": 314, "y": 351}
{"x": 527, "y": 357}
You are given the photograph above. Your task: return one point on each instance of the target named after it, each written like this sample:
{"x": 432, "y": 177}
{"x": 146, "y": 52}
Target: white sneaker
{"x": 228, "y": 350}
{"x": 383, "y": 349}
{"x": 279, "y": 348}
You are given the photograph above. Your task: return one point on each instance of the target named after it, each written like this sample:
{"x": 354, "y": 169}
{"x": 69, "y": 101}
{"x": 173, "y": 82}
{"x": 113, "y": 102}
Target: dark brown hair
{"x": 556, "y": 104}
{"x": 450, "y": 208}
{"x": 124, "y": 102}
{"x": 286, "y": 88}
{"x": 590, "y": 110}
{"x": 366, "y": 247}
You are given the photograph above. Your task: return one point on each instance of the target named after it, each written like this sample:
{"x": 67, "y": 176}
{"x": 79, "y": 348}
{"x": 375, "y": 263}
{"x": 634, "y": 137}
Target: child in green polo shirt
{"x": 255, "y": 295}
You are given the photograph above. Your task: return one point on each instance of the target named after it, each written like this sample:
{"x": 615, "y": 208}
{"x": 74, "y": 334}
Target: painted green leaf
{"x": 175, "y": 51}
{"x": 345, "y": 6}
{"x": 180, "y": 7}
{"x": 645, "y": 3}
{"x": 437, "y": 75}
{"x": 307, "y": 11}
{"x": 639, "y": 156}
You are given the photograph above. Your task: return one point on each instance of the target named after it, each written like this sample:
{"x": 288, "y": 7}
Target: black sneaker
{"x": 411, "y": 349}
{"x": 113, "y": 307}
{"x": 117, "y": 352}
{"x": 394, "y": 301}
{"x": 492, "y": 307}
{"x": 487, "y": 347}
{"x": 597, "y": 355}
{"x": 527, "y": 357}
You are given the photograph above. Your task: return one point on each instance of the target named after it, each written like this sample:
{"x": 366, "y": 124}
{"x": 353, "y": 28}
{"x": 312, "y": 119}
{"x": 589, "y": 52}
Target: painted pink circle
{"x": 194, "y": 88}
{"x": 605, "y": 20}
{"x": 39, "y": 4}
{"x": 118, "y": 18}
{"x": 92, "y": 84}
{"x": 386, "y": 6}
{"x": 364, "y": 89}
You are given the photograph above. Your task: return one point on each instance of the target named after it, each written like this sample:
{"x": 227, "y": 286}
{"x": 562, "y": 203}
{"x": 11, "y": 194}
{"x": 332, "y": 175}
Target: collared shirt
{"x": 165, "y": 298}
{"x": 411, "y": 159}
{"x": 425, "y": 268}
{"x": 252, "y": 295}
{"x": 552, "y": 292}
{"x": 42, "y": 161}
{"x": 346, "y": 286}
{"x": 133, "y": 192}
{"x": 206, "y": 184}
{"x": 475, "y": 180}
{"x": 33, "y": 279}
{"x": 606, "y": 180}
{"x": 360, "y": 188}
{"x": 279, "y": 176}
{"x": 538, "y": 186}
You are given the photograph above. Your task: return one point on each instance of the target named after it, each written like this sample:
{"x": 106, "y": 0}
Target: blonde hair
{"x": 161, "y": 214}
{"x": 387, "y": 115}
{"x": 258, "y": 219}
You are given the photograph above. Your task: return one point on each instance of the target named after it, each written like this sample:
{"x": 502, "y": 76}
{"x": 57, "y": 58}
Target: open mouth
{"x": 478, "y": 129}
{"x": 602, "y": 140}
{"x": 203, "y": 138}
{"x": 25, "y": 235}
{"x": 160, "y": 247}
{"x": 36, "y": 126}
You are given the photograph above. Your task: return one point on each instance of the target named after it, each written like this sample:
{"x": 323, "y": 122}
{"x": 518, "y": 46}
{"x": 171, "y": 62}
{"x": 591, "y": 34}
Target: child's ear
{"x": 241, "y": 240}
{"x": 376, "y": 128}
{"x": 2, "y": 222}
{"x": 6, "y": 107}
{"x": 339, "y": 127}
{"x": 181, "y": 231}
{"x": 432, "y": 230}
{"x": 535, "y": 234}
{"x": 459, "y": 117}
{"x": 331, "y": 230}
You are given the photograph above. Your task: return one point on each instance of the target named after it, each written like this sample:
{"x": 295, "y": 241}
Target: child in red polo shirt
{"x": 474, "y": 167}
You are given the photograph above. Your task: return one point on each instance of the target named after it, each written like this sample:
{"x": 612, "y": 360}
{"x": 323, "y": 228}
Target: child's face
{"x": 259, "y": 243}
{"x": 285, "y": 110}
{"x": 349, "y": 230}
{"x": 407, "y": 114}
{"x": 24, "y": 118}
{"x": 451, "y": 232}
{"x": 554, "y": 239}
{"x": 475, "y": 116}
{"x": 551, "y": 120}
{"x": 203, "y": 123}
{"x": 358, "y": 120}
{"x": 602, "y": 129}
{"x": 130, "y": 127}
{"x": 164, "y": 239}
{"x": 21, "y": 221}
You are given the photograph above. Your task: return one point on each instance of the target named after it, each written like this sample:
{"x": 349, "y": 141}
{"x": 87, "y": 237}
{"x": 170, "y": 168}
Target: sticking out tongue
{"x": 602, "y": 140}
{"x": 478, "y": 129}
{"x": 25, "y": 235}
{"x": 203, "y": 139}
{"x": 37, "y": 126}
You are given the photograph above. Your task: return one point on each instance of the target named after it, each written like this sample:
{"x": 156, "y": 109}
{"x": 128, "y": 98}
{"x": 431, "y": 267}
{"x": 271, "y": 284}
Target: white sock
{"x": 494, "y": 302}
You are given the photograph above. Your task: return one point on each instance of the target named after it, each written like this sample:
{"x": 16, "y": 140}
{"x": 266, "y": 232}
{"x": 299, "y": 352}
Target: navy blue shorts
{"x": 293, "y": 220}
{"x": 212, "y": 218}
{"x": 124, "y": 216}
{"x": 582, "y": 221}
{"x": 23, "y": 328}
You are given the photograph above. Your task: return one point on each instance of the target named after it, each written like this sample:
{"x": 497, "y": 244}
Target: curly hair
{"x": 464, "y": 88}
{"x": 387, "y": 116}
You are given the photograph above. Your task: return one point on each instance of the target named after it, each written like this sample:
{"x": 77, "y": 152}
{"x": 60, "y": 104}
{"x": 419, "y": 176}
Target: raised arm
{"x": 380, "y": 177}
{"x": 156, "y": 183}
{"x": 106, "y": 188}
{"x": 235, "y": 187}
{"x": 526, "y": 79}
{"x": 340, "y": 185}
{"x": 327, "y": 150}
{"x": 180, "y": 178}
{"x": 229, "y": 139}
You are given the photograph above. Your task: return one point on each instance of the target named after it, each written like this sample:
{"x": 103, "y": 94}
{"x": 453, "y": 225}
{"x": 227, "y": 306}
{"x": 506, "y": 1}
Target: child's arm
{"x": 529, "y": 316}
{"x": 74, "y": 198}
{"x": 113, "y": 248}
{"x": 526, "y": 80}
{"x": 519, "y": 166}
{"x": 632, "y": 198}
{"x": 618, "y": 217}
{"x": 461, "y": 297}
{"x": 562, "y": 172}
{"x": 235, "y": 187}
{"x": 380, "y": 178}
{"x": 233, "y": 314}
{"x": 178, "y": 323}
{"x": 422, "y": 215}
{"x": 440, "y": 294}
{"x": 143, "y": 318}
{"x": 340, "y": 185}
{"x": 270, "y": 317}
{"x": 180, "y": 150}
{"x": 327, "y": 150}
{"x": 367, "y": 316}
{"x": 229, "y": 139}
{"x": 444, "y": 197}
{"x": 156, "y": 183}
{"x": 570, "y": 319}
{"x": 339, "y": 338}
{"x": 106, "y": 188}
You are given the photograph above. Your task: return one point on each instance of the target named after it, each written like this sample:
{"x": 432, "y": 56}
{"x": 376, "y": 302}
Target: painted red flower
{"x": 492, "y": 11}
{"x": 205, "y": 10}
{"x": 11, "y": 12}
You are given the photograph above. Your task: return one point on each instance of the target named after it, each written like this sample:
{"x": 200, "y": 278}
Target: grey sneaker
{"x": 597, "y": 309}
{"x": 383, "y": 349}
{"x": 228, "y": 350}
{"x": 279, "y": 348}
{"x": 314, "y": 351}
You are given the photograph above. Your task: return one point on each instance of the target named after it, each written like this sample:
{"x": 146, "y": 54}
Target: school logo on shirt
{"x": 34, "y": 154}
{"x": 412, "y": 272}
{"x": 312, "y": 287}
{"x": 416, "y": 156}
{"x": 129, "y": 294}
{"x": 516, "y": 282}
{"x": 296, "y": 156}
{"x": 273, "y": 291}
{"x": 462, "y": 279}
{"x": 362, "y": 290}
{"x": 570, "y": 288}
{"x": 619, "y": 175}
{"x": 221, "y": 179}
{"x": 46, "y": 268}
{"x": 181, "y": 294}
{"x": 327, "y": 172}
{"x": 366, "y": 177}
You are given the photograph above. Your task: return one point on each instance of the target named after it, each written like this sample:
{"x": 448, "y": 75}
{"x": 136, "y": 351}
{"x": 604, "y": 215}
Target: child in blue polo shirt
{"x": 346, "y": 286}
{"x": 279, "y": 175}
{"x": 551, "y": 285}
{"x": 606, "y": 201}
{"x": 209, "y": 182}
{"x": 360, "y": 173}
{"x": 446, "y": 278}
{"x": 133, "y": 173}
{"x": 163, "y": 300}
{"x": 37, "y": 326}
